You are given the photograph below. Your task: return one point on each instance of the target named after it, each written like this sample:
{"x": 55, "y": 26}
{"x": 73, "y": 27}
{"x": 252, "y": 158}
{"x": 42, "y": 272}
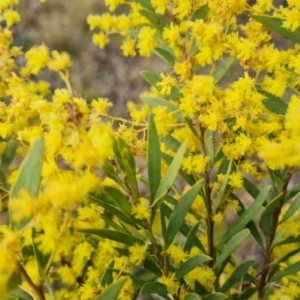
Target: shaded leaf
{"x": 165, "y": 53}
{"x": 19, "y": 293}
{"x": 153, "y": 159}
{"x": 215, "y": 296}
{"x": 246, "y": 216}
{"x": 171, "y": 175}
{"x": 266, "y": 218}
{"x": 275, "y": 24}
{"x": 232, "y": 244}
{"x": 107, "y": 277}
{"x": 180, "y": 212}
{"x": 221, "y": 193}
{"x": 29, "y": 179}
{"x": 293, "y": 207}
{"x": 274, "y": 103}
{"x": 154, "y": 288}
{"x": 222, "y": 69}
{"x": 236, "y": 276}
{"x": 8, "y": 155}
{"x": 155, "y": 19}
{"x": 113, "y": 235}
{"x": 289, "y": 270}
{"x": 190, "y": 240}
{"x": 112, "y": 291}
{"x": 201, "y": 13}
{"x": 190, "y": 264}
{"x": 192, "y": 296}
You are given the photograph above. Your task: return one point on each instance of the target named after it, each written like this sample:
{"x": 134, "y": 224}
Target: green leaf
{"x": 41, "y": 258}
{"x": 209, "y": 142}
{"x": 29, "y": 179}
{"x": 251, "y": 188}
{"x": 201, "y": 13}
{"x": 48, "y": 285}
{"x": 14, "y": 280}
{"x": 154, "y": 159}
{"x": 129, "y": 167}
{"x": 282, "y": 259}
{"x": 274, "y": 103}
{"x": 192, "y": 296}
{"x": 165, "y": 53}
{"x": 154, "y": 102}
{"x": 155, "y": 19}
{"x": 116, "y": 212}
{"x": 266, "y": 218}
{"x": 221, "y": 193}
{"x": 188, "y": 178}
{"x": 178, "y": 215}
{"x": 145, "y": 3}
{"x": 152, "y": 267}
{"x": 215, "y": 296}
{"x": 290, "y": 270}
{"x": 107, "y": 277}
{"x": 222, "y": 69}
{"x": 184, "y": 229}
{"x": 190, "y": 240}
{"x": 154, "y": 288}
{"x": 278, "y": 236}
{"x": 246, "y": 216}
{"x": 232, "y": 244}
{"x": 194, "y": 48}
{"x": 112, "y": 291}
{"x": 276, "y": 25}
{"x": 190, "y": 264}
{"x": 171, "y": 175}
{"x": 236, "y": 276}
{"x": 113, "y": 235}
{"x": 293, "y": 207}
{"x": 251, "y": 225}
{"x": 8, "y": 155}
{"x": 116, "y": 197}
{"x": 110, "y": 172}
{"x": 19, "y": 293}
{"x": 151, "y": 78}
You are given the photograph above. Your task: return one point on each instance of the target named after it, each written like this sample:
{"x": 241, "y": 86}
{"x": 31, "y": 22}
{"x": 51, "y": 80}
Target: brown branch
{"x": 270, "y": 239}
{"x": 37, "y": 291}
{"x": 210, "y": 223}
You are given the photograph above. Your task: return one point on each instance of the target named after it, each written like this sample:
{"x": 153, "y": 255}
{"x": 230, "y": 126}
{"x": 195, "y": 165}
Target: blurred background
{"x": 62, "y": 26}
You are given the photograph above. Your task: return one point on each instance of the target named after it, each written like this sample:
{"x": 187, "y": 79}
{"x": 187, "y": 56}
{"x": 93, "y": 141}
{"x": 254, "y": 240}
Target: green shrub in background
{"x": 81, "y": 220}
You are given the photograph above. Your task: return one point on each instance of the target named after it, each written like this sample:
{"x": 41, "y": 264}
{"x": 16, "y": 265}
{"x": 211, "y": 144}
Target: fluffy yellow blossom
{"x": 137, "y": 254}
{"x": 177, "y": 254}
{"x": 100, "y": 39}
{"x": 141, "y": 211}
{"x": 170, "y": 282}
{"x": 147, "y": 41}
{"x": 166, "y": 84}
{"x": 37, "y": 58}
{"x": 236, "y": 180}
{"x": 11, "y": 17}
{"x": 128, "y": 47}
{"x": 60, "y": 61}
{"x": 113, "y": 4}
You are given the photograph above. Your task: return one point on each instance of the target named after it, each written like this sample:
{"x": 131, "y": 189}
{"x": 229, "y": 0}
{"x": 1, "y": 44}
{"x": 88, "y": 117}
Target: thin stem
{"x": 270, "y": 238}
{"x": 210, "y": 223}
{"x": 37, "y": 291}
{"x": 65, "y": 78}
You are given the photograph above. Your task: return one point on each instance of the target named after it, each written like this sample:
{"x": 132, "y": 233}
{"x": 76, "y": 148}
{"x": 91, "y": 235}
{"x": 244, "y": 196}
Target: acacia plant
{"x": 82, "y": 220}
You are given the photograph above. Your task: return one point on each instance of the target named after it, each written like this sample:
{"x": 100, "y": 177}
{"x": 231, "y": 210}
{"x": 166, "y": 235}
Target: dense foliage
{"x": 83, "y": 218}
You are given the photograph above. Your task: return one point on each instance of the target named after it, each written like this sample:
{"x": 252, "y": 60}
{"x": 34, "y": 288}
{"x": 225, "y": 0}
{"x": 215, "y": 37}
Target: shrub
{"x": 82, "y": 220}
